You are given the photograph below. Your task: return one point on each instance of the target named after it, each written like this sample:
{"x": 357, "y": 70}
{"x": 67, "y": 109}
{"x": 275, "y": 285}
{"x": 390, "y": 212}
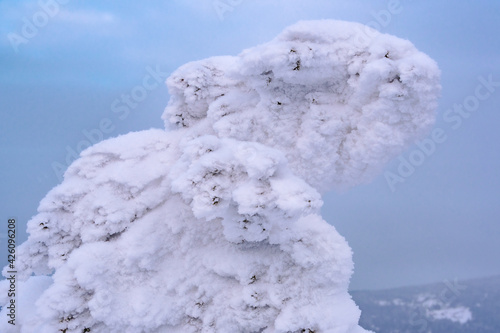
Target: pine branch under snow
{"x": 214, "y": 225}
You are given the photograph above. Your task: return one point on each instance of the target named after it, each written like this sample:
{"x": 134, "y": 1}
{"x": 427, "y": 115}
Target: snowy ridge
{"x": 434, "y": 308}
{"x": 449, "y": 306}
{"x": 459, "y": 314}
{"x": 438, "y": 309}
{"x": 214, "y": 225}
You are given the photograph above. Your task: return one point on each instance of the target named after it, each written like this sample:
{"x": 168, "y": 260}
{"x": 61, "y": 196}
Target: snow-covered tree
{"x": 213, "y": 225}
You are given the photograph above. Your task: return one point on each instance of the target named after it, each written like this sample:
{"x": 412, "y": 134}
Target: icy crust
{"x": 217, "y": 236}
{"x": 214, "y": 226}
{"x": 338, "y": 99}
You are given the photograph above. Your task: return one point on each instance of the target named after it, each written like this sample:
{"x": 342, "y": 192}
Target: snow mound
{"x": 214, "y": 226}
{"x": 338, "y": 104}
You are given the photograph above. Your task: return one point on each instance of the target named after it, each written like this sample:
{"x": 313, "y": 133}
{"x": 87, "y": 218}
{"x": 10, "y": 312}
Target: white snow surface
{"x": 214, "y": 225}
{"x": 437, "y": 308}
{"x": 338, "y": 104}
{"x": 459, "y": 314}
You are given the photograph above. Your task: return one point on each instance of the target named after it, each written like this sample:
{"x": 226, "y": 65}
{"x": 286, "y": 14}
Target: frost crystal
{"x": 214, "y": 225}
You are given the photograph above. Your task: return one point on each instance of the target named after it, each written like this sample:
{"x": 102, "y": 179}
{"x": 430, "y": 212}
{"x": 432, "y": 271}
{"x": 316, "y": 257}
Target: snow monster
{"x": 213, "y": 225}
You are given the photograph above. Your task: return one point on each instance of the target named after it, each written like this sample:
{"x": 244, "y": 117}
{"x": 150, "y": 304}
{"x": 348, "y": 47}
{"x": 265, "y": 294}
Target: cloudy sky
{"x": 74, "y": 72}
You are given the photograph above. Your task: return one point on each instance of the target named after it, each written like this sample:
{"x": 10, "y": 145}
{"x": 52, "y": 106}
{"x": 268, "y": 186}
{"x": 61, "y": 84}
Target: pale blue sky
{"x": 443, "y": 222}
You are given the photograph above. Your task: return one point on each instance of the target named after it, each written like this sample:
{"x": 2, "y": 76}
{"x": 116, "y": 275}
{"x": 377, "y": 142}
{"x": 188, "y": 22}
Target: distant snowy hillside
{"x": 451, "y": 306}
{"x": 214, "y": 225}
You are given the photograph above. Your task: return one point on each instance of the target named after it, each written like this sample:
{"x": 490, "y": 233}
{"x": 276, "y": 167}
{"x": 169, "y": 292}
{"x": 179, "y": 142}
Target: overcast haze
{"x": 68, "y": 83}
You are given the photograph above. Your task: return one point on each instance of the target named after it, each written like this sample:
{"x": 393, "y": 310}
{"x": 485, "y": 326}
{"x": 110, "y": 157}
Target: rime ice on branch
{"x": 214, "y": 225}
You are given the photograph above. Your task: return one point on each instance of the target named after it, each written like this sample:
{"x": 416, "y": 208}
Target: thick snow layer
{"x": 214, "y": 225}
{"x": 338, "y": 104}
